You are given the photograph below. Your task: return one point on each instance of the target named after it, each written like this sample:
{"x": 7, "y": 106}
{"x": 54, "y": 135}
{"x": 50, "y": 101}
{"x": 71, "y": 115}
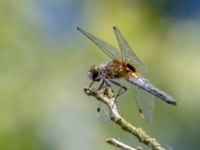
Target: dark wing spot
{"x": 140, "y": 111}
{"x": 131, "y": 68}
{"x": 98, "y": 109}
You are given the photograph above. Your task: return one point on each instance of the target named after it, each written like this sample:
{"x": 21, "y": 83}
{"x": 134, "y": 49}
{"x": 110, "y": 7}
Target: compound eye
{"x": 93, "y": 73}
{"x": 94, "y": 68}
{"x": 95, "y": 76}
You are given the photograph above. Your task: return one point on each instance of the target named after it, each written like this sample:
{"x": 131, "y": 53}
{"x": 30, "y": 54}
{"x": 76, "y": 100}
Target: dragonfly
{"x": 125, "y": 64}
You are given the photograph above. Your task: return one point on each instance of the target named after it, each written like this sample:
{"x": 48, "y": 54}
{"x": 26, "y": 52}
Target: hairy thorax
{"x": 117, "y": 69}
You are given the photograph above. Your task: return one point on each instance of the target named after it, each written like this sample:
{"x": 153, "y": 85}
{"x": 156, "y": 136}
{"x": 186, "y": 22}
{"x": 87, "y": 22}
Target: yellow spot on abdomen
{"x": 133, "y": 74}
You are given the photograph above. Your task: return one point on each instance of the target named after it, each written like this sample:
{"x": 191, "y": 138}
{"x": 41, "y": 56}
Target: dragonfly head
{"x": 93, "y": 73}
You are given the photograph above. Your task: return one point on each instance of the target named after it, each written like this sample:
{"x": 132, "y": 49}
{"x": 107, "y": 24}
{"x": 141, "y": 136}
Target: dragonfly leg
{"x": 121, "y": 90}
{"x": 107, "y": 83}
{"x": 91, "y": 84}
{"x": 101, "y": 85}
{"x": 104, "y": 83}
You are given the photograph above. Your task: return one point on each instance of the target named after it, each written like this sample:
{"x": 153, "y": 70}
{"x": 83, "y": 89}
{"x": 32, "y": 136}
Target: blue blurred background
{"x": 44, "y": 63}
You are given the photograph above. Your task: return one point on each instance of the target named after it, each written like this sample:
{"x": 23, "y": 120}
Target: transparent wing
{"x": 108, "y": 49}
{"x": 127, "y": 53}
{"x": 145, "y": 102}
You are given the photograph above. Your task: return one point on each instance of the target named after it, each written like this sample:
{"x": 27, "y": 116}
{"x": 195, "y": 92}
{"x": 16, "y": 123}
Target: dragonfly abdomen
{"x": 150, "y": 88}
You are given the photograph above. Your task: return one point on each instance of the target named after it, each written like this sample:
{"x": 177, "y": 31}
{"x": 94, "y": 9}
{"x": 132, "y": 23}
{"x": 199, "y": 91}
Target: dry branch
{"x": 121, "y": 145}
{"x": 106, "y": 96}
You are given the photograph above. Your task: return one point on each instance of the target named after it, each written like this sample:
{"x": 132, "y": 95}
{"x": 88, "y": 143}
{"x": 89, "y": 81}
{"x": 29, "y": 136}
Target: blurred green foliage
{"x": 44, "y": 63}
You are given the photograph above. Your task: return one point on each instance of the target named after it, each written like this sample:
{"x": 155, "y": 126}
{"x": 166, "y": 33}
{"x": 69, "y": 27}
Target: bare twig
{"x": 106, "y": 96}
{"x": 119, "y": 144}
